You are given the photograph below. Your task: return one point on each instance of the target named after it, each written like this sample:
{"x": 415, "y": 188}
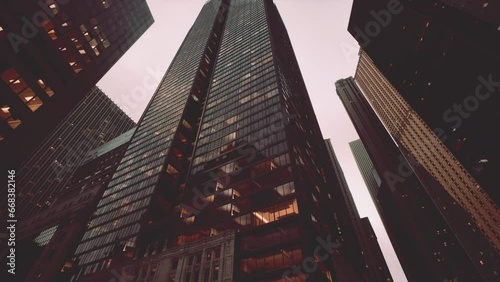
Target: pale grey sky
{"x": 325, "y": 50}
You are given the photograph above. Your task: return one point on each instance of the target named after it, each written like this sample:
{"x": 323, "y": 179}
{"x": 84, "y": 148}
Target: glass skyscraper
{"x": 52, "y": 52}
{"x": 228, "y": 143}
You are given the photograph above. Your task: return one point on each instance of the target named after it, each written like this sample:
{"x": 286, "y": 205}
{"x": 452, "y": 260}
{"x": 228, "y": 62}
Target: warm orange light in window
{"x": 49, "y": 91}
{"x": 34, "y": 104}
{"x": 52, "y": 34}
{"x": 13, "y": 122}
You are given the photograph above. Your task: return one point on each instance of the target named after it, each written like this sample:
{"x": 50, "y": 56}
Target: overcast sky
{"x": 325, "y": 50}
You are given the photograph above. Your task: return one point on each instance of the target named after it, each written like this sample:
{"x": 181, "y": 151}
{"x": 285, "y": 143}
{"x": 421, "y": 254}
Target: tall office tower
{"x": 418, "y": 141}
{"x": 433, "y": 236}
{"x": 228, "y": 144}
{"x": 443, "y": 60}
{"x": 45, "y": 174}
{"x": 373, "y": 252}
{"x": 46, "y": 240}
{"x": 364, "y": 249}
{"x": 52, "y": 52}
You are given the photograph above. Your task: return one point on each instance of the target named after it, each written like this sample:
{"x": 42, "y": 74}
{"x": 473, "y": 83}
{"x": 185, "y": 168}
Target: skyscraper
{"x": 442, "y": 58}
{"x": 364, "y": 248}
{"x": 433, "y": 236}
{"x": 52, "y": 52}
{"x": 413, "y": 135}
{"x": 229, "y": 144}
{"x": 43, "y": 177}
{"x": 46, "y": 240}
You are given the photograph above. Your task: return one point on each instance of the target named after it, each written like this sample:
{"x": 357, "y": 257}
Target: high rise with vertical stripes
{"x": 45, "y": 174}
{"x": 52, "y": 53}
{"x": 227, "y": 177}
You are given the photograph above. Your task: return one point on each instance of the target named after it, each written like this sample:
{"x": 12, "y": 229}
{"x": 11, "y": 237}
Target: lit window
{"x": 34, "y": 104}
{"x": 1, "y": 28}
{"x": 6, "y": 115}
{"x": 76, "y": 67}
{"x": 5, "y": 110}
{"x": 106, "y": 4}
{"x": 27, "y": 95}
{"x": 9, "y": 76}
{"x": 47, "y": 90}
{"x": 81, "y": 51}
{"x": 52, "y": 5}
{"x": 52, "y": 34}
{"x": 485, "y": 5}
{"x": 76, "y": 43}
{"x": 13, "y": 122}
{"x": 41, "y": 83}
{"x": 96, "y": 51}
{"x": 106, "y": 43}
{"x": 65, "y": 24}
{"x": 93, "y": 43}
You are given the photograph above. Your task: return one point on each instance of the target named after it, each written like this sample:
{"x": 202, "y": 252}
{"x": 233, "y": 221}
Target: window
{"x": 52, "y": 34}
{"x": 47, "y": 89}
{"x": 52, "y": 5}
{"x": 6, "y": 115}
{"x": 20, "y": 87}
{"x": 106, "y": 4}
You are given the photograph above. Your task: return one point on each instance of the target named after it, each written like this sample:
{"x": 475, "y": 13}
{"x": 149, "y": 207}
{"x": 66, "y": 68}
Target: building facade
{"x": 441, "y": 56}
{"x": 46, "y": 240}
{"x": 365, "y": 252}
{"x": 433, "y": 236}
{"x": 44, "y": 176}
{"x": 412, "y": 134}
{"x": 229, "y": 142}
{"x": 52, "y": 52}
